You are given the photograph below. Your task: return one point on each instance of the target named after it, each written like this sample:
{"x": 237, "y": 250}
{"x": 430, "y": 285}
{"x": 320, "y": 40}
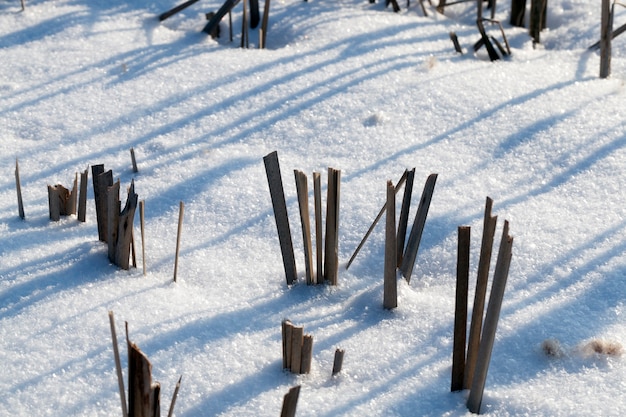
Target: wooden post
{"x": 317, "y": 193}
{"x": 404, "y": 215}
{"x": 272, "y": 170}
{"x": 518, "y": 10}
{"x": 143, "y": 234}
{"x": 331, "y": 259}
{"x": 491, "y": 320}
{"x": 113, "y": 215}
{"x": 132, "y": 158}
{"x": 460, "y": 311}
{"x": 390, "y": 290}
{"x": 375, "y": 222}
{"x": 82, "y": 196}
{"x": 307, "y": 354}
{"x": 338, "y": 362}
{"x": 290, "y": 401}
{"x": 118, "y": 365}
{"x": 180, "y": 230}
{"x": 410, "y": 253}
{"x": 125, "y": 221}
{"x": 605, "y": 39}
{"x": 18, "y": 186}
{"x": 303, "y": 201}
{"x": 489, "y": 230}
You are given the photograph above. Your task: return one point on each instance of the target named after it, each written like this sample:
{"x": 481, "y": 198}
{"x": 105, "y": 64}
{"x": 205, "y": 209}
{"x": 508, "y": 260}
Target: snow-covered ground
{"x": 343, "y": 84}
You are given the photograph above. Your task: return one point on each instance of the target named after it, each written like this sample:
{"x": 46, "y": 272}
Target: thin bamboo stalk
{"x": 178, "y": 234}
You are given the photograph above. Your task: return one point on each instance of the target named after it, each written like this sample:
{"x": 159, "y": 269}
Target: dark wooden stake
{"x": 317, "y": 196}
{"x": 272, "y": 170}
{"x": 491, "y": 321}
{"x": 133, "y": 160}
{"x": 303, "y": 201}
{"x": 338, "y": 362}
{"x": 82, "y": 196}
{"x": 18, "y": 186}
{"x": 460, "y": 311}
{"x": 410, "y": 253}
{"x": 486, "y": 248}
{"x": 181, "y": 212}
{"x": 118, "y": 365}
{"x": 390, "y": 288}
{"x": 244, "y": 26}
{"x": 455, "y": 41}
{"x": 331, "y": 255}
{"x": 290, "y": 402}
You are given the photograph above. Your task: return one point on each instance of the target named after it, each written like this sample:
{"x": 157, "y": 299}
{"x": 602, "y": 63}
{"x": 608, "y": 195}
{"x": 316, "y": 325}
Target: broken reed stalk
{"x": 113, "y": 214}
{"x": 317, "y": 197}
{"x": 143, "y": 234}
{"x": 605, "y": 39}
{"x": 54, "y": 205}
{"x": 297, "y": 348}
{"x": 125, "y": 236}
{"x": 174, "y": 396}
{"x": 275, "y": 182}
{"x": 118, "y": 365}
{"x": 390, "y": 288}
{"x": 132, "y": 157}
{"x": 331, "y": 254}
{"x": 297, "y": 335}
{"x": 101, "y": 180}
{"x": 180, "y": 228}
{"x": 412, "y": 246}
{"x": 375, "y": 222}
{"x": 303, "y": 202}
{"x": 338, "y": 362}
{"x": 518, "y": 9}
{"x": 18, "y": 186}
{"x": 244, "y": 25}
{"x": 537, "y": 18}
{"x": 460, "y": 311}
{"x": 290, "y": 402}
{"x": 491, "y": 320}
{"x": 82, "y": 196}
{"x": 404, "y": 215}
{"x": 264, "y": 21}
{"x": 176, "y": 9}
{"x": 486, "y": 248}
{"x": 143, "y": 394}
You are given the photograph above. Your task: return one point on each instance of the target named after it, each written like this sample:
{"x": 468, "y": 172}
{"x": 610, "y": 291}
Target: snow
{"x": 344, "y": 84}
